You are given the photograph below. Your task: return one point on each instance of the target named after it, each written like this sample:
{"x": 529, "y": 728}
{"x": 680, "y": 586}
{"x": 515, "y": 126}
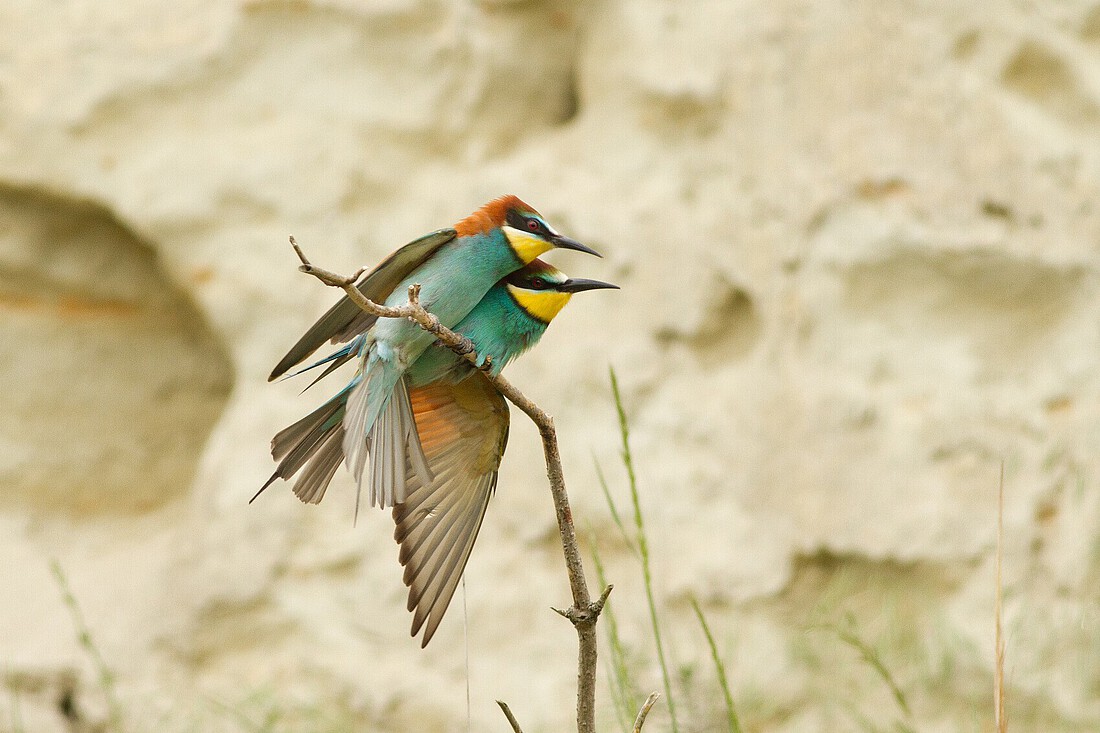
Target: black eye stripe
{"x": 516, "y": 220}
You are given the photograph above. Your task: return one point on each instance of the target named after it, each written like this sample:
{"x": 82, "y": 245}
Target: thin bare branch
{"x": 584, "y": 613}
{"x": 328, "y": 278}
{"x": 511, "y": 718}
{"x": 640, "y": 720}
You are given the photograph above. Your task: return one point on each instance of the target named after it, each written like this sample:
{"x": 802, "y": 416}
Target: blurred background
{"x": 859, "y": 251}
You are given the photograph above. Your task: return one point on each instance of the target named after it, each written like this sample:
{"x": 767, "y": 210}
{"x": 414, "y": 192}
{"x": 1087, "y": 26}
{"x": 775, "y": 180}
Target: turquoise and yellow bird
{"x": 455, "y": 268}
{"x": 461, "y": 420}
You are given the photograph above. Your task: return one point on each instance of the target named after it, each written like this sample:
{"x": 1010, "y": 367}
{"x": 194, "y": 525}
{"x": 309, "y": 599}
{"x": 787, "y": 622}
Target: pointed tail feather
{"x": 314, "y": 442}
{"x": 397, "y": 449}
{"x": 379, "y": 421}
{"x": 335, "y": 360}
{"x": 340, "y": 356}
{"x": 356, "y": 441}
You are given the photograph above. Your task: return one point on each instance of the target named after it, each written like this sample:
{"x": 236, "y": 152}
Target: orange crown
{"x": 491, "y": 215}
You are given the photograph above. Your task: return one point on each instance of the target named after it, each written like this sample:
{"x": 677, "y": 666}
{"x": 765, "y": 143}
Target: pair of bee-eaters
{"x": 434, "y": 427}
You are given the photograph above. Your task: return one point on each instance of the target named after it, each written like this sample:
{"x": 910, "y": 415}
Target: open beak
{"x": 579, "y": 284}
{"x": 566, "y": 243}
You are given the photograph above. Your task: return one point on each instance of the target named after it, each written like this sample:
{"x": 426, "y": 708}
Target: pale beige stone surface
{"x": 859, "y": 245}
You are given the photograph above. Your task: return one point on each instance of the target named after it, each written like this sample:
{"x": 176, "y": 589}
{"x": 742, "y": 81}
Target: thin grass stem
{"x": 732, "y": 721}
{"x": 643, "y": 548}
{"x": 618, "y": 675}
{"x": 104, "y": 674}
{"x": 872, "y": 657}
{"x": 614, "y": 511}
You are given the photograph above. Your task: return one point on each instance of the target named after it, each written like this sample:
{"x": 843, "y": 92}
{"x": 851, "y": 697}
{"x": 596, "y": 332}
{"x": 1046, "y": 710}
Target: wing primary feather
{"x": 334, "y": 321}
{"x": 311, "y": 485}
{"x": 433, "y": 545}
{"x": 443, "y": 584}
{"x": 413, "y": 514}
{"x": 344, "y": 319}
{"x": 435, "y": 542}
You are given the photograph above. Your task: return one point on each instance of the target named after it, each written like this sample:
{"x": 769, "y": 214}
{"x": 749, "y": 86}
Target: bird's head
{"x": 542, "y": 290}
{"x": 528, "y": 234}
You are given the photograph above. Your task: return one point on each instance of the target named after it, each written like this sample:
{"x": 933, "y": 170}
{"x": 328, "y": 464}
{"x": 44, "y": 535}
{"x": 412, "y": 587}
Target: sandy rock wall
{"x": 858, "y": 244}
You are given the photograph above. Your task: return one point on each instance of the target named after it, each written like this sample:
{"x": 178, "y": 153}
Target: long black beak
{"x": 579, "y": 284}
{"x": 566, "y": 243}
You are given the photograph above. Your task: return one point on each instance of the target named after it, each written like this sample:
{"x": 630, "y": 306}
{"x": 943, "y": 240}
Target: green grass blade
{"x": 871, "y": 656}
{"x": 643, "y": 548}
{"x": 84, "y": 638}
{"x": 618, "y": 674}
{"x": 614, "y": 512}
{"x": 732, "y": 720}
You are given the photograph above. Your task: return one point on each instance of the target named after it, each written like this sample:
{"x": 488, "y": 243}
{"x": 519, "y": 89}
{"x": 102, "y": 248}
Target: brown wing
{"x": 463, "y": 428}
{"x": 345, "y": 320}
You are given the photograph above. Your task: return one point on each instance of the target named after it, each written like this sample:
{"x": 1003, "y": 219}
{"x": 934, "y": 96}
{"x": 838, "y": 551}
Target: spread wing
{"x": 463, "y": 428}
{"x": 345, "y": 320}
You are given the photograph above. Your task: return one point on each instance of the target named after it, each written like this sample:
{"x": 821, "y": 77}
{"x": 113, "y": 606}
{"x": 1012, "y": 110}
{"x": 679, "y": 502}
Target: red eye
{"x": 533, "y": 225}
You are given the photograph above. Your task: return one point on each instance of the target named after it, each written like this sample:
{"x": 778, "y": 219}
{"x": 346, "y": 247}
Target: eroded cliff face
{"x": 858, "y": 244}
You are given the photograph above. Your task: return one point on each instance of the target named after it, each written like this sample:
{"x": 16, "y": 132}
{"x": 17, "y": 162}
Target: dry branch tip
{"x": 511, "y": 718}
{"x": 646, "y": 706}
{"x": 597, "y": 607}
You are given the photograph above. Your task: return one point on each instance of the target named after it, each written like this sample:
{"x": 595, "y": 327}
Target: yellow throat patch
{"x": 526, "y": 247}
{"x": 541, "y": 305}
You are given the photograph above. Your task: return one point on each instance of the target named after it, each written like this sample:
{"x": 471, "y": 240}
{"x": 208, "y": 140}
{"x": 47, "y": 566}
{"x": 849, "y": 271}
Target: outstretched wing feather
{"x": 463, "y": 428}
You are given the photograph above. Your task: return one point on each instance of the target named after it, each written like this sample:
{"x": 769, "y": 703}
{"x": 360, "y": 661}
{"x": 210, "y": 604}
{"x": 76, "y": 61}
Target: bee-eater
{"x": 455, "y": 268}
{"x": 462, "y": 423}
